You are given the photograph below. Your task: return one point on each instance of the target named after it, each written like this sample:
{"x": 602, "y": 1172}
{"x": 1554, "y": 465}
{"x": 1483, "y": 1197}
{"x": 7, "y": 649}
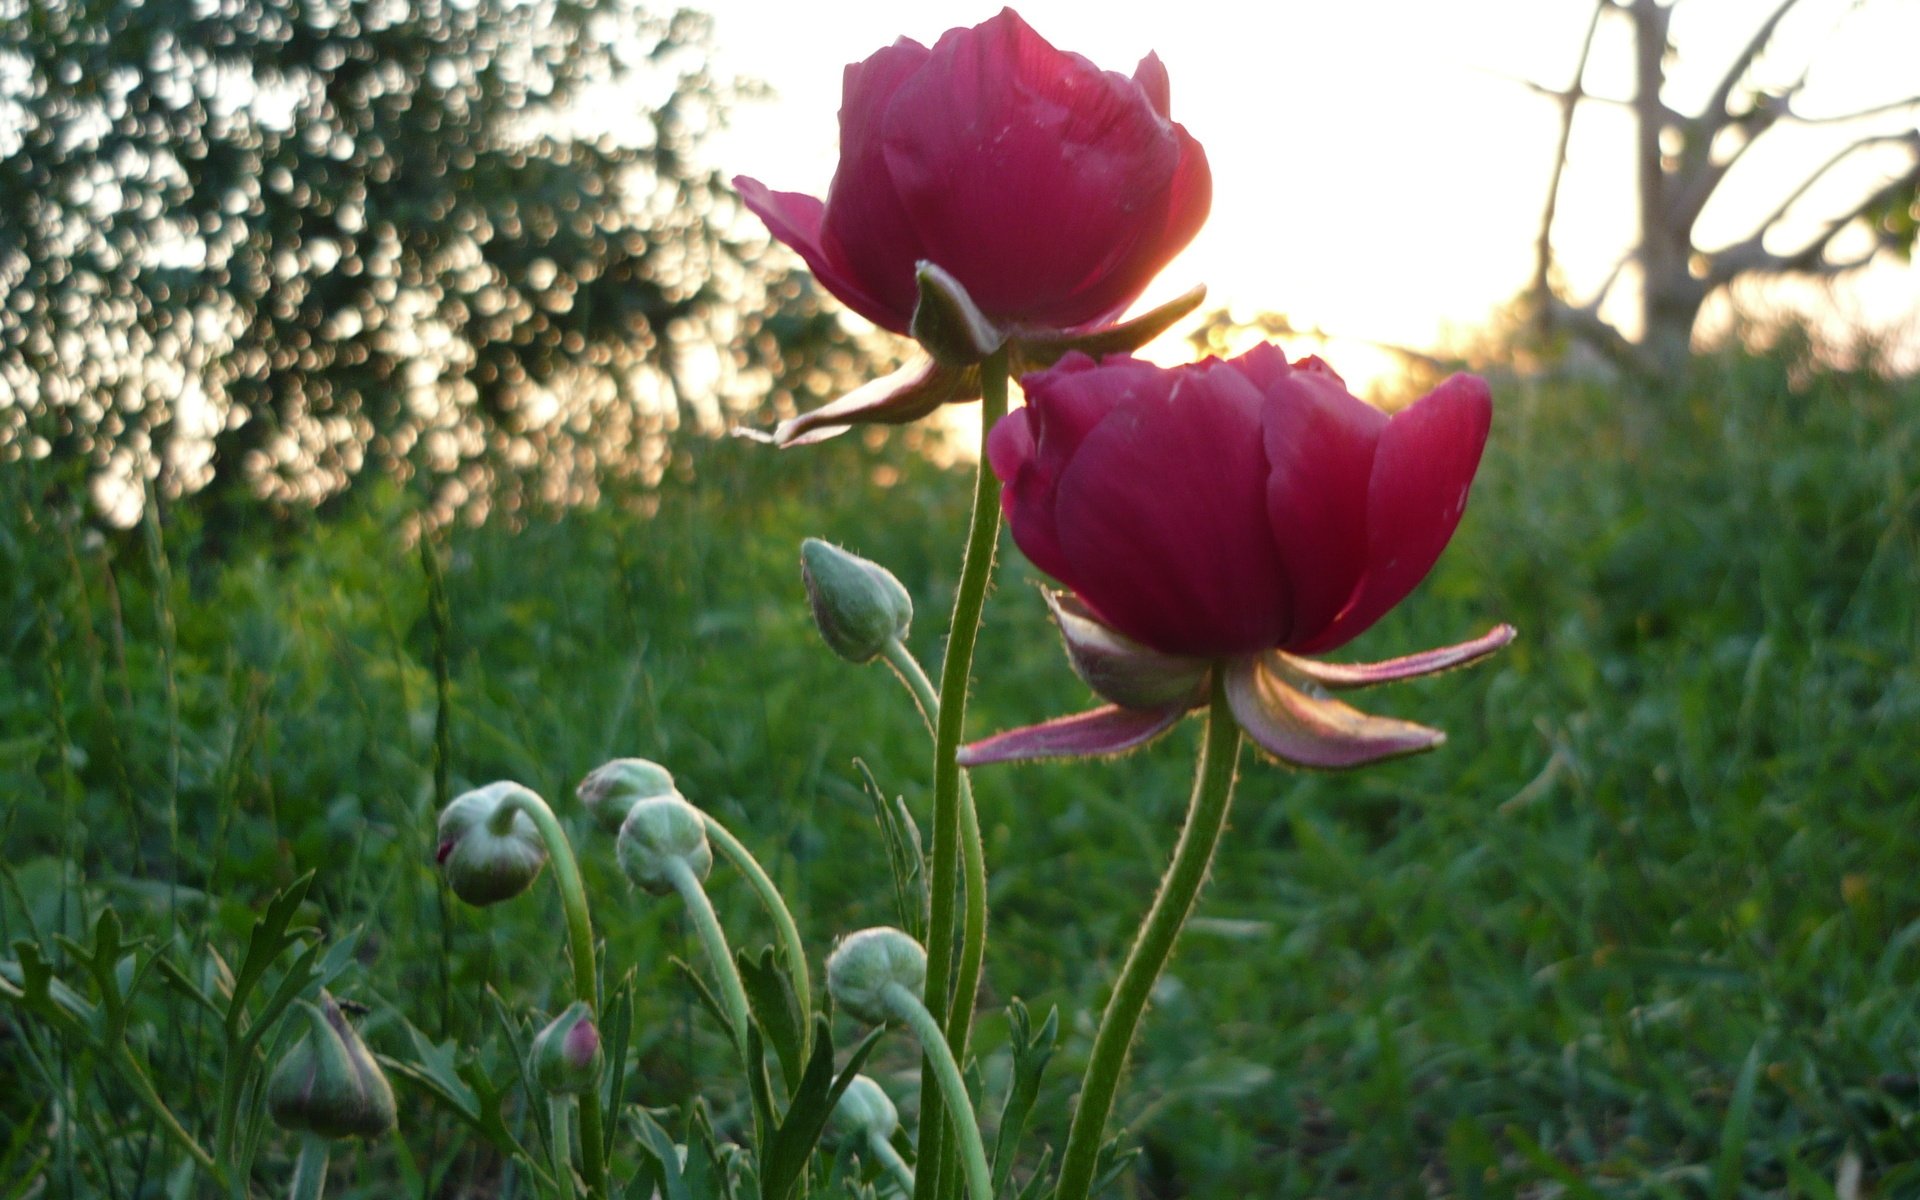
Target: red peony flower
{"x": 1232, "y": 516}
{"x": 1050, "y": 191}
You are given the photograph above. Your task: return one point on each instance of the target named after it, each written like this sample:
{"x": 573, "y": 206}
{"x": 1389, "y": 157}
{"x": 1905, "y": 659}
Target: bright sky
{"x": 1377, "y": 171}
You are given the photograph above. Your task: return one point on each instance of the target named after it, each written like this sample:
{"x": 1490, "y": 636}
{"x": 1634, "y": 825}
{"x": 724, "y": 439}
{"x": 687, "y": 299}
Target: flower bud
{"x": 489, "y": 850}
{"x": 328, "y": 1083}
{"x": 864, "y": 964}
{"x": 858, "y": 605}
{"x": 865, "y": 1110}
{"x": 659, "y": 831}
{"x": 610, "y": 789}
{"x": 566, "y": 1055}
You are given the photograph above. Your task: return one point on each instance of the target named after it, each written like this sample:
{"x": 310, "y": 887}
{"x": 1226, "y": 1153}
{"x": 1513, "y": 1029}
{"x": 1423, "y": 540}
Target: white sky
{"x": 1377, "y": 171}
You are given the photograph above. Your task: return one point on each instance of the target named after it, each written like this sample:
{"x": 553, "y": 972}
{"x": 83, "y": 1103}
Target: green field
{"x": 1644, "y": 927}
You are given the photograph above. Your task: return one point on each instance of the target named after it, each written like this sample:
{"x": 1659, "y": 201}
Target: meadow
{"x": 1645, "y": 926}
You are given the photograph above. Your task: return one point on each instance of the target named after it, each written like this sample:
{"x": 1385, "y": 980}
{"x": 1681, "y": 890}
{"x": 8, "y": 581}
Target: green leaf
{"x": 777, "y": 1010}
{"x": 1031, "y": 1052}
{"x": 705, "y": 994}
{"x": 269, "y": 938}
{"x": 662, "y": 1175}
{"x": 784, "y": 1164}
{"x": 617, "y": 1029}
{"x": 1730, "y": 1167}
{"x": 906, "y": 855}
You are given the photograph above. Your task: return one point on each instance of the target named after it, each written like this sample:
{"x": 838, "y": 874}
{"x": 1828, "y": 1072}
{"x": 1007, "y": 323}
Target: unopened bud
{"x": 490, "y": 850}
{"x": 566, "y": 1055}
{"x": 610, "y": 789}
{"x": 865, "y": 964}
{"x": 658, "y": 832}
{"x": 858, "y": 605}
{"x": 328, "y": 1083}
{"x": 865, "y": 1110}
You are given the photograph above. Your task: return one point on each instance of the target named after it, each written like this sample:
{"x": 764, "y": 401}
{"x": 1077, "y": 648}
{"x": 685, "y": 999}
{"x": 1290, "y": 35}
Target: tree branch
{"x": 1569, "y": 101}
{"x": 1716, "y": 110}
{"x": 1752, "y": 257}
{"x": 1877, "y": 110}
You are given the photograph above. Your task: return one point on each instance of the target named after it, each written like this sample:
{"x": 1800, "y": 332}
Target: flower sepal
{"x": 1034, "y": 350}
{"x": 947, "y": 323}
{"x": 1120, "y": 669}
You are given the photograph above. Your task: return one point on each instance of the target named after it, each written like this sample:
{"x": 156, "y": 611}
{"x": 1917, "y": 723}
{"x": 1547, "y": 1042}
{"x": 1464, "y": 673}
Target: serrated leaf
{"x": 270, "y": 937}
{"x": 664, "y": 1158}
{"x": 618, "y": 1032}
{"x": 705, "y": 995}
{"x": 1030, "y": 1055}
{"x": 1040, "y": 1187}
{"x": 906, "y": 856}
{"x": 776, "y": 1008}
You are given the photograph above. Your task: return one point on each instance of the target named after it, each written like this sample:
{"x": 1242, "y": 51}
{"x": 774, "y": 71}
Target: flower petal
{"x": 1422, "y": 472}
{"x": 1033, "y": 175}
{"x": 1177, "y": 558}
{"x": 907, "y": 394}
{"x": 1101, "y": 732}
{"x": 1319, "y": 441}
{"x": 866, "y": 229}
{"x": 794, "y": 218}
{"x": 1120, "y": 669}
{"x": 1313, "y": 731}
{"x": 1347, "y": 676}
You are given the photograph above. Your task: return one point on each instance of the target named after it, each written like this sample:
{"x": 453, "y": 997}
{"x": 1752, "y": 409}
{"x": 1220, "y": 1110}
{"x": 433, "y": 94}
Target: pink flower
{"x": 1232, "y": 516}
{"x": 1051, "y": 191}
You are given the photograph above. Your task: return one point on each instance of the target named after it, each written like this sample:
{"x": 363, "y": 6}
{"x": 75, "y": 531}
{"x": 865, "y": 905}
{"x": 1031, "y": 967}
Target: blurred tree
{"x": 1683, "y": 160}
{"x": 250, "y": 248}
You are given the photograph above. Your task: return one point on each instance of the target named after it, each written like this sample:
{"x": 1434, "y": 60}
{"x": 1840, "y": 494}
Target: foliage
{"x": 259, "y": 248}
{"x": 1643, "y": 928}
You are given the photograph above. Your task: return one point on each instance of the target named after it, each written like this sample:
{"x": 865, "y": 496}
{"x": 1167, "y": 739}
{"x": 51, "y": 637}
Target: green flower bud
{"x": 328, "y": 1083}
{"x": 858, "y": 605}
{"x": 610, "y": 789}
{"x": 863, "y": 965}
{"x": 566, "y": 1055}
{"x": 490, "y": 851}
{"x": 865, "y": 1110}
{"x": 658, "y": 831}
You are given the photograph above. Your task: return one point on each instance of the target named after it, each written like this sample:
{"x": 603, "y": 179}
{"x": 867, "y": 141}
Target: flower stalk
{"x": 310, "y": 1168}
{"x": 1153, "y": 945}
{"x": 713, "y": 939}
{"x": 573, "y": 902}
{"x": 949, "y": 718}
{"x": 791, "y": 946}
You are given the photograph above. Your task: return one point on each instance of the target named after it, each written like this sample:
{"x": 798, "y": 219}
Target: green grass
{"x": 1644, "y": 927}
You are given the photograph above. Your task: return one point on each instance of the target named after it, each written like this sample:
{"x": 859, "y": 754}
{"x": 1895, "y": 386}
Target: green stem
{"x": 976, "y": 571}
{"x": 560, "y": 1117}
{"x": 891, "y": 1162}
{"x": 310, "y": 1169}
{"x": 796, "y": 951}
{"x": 973, "y": 927}
{"x": 706, "y": 924}
{"x": 906, "y": 1007}
{"x": 144, "y": 1089}
{"x": 1206, "y": 817}
{"x": 586, "y": 977}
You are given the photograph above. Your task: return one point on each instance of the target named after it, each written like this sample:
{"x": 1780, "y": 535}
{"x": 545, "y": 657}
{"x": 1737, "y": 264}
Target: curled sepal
{"x": 1282, "y": 714}
{"x": 659, "y": 832}
{"x": 1099, "y": 733}
{"x": 613, "y": 788}
{"x": 866, "y": 964}
{"x": 858, "y": 605}
{"x": 947, "y": 323}
{"x": 566, "y": 1057}
{"x": 1031, "y": 352}
{"x": 1120, "y": 669}
{"x": 490, "y": 850}
{"x": 906, "y": 395}
{"x": 328, "y": 1084}
{"x": 1350, "y": 676}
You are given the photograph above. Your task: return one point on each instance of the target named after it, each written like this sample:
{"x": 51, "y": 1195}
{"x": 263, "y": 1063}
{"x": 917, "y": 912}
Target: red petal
{"x": 1104, "y": 731}
{"x": 866, "y": 229}
{"x": 1346, "y": 676}
{"x": 1422, "y": 472}
{"x": 794, "y": 218}
{"x": 1162, "y": 513}
{"x": 1035, "y": 177}
{"x": 1319, "y": 442}
{"x": 1151, "y": 75}
{"x": 1312, "y": 731}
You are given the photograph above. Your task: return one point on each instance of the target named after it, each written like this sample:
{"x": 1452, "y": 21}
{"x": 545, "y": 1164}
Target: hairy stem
{"x": 976, "y": 571}
{"x": 743, "y": 860}
{"x": 1192, "y": 856}
{"x": 310, "y": 1169}
{"x": 706, "y": 924}
{"x": 908, "y": 1009}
